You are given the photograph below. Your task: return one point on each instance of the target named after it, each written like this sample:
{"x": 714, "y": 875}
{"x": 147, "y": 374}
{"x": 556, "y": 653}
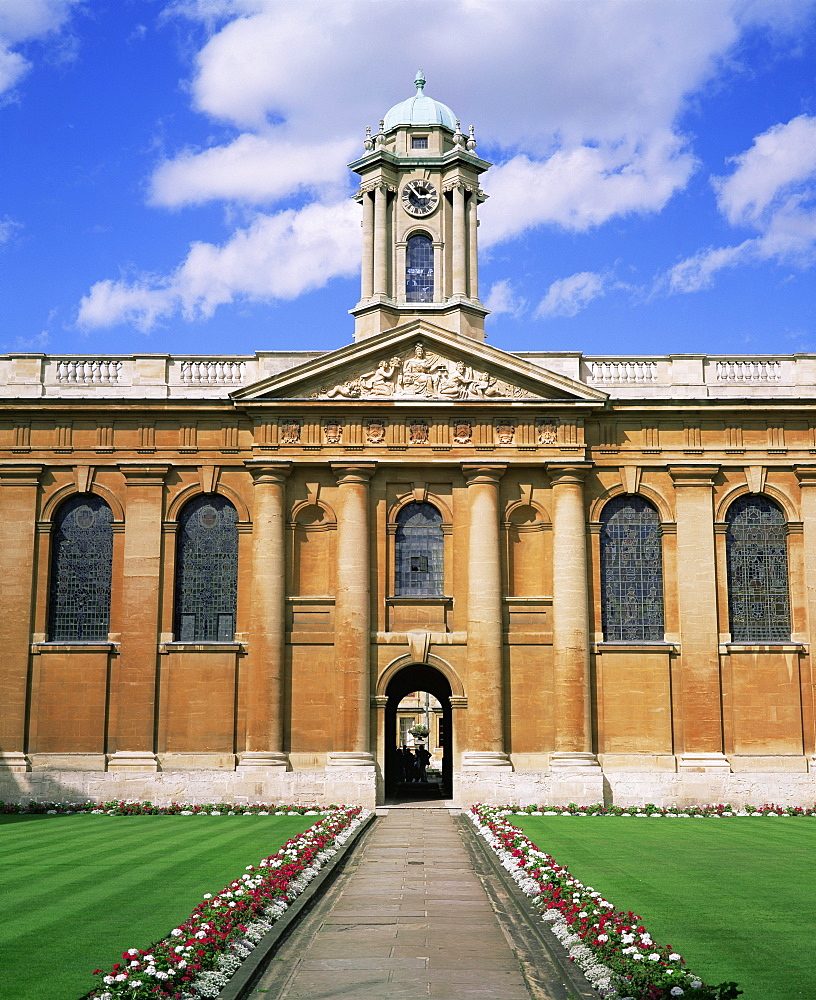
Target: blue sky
{"x": 173, "y": 179}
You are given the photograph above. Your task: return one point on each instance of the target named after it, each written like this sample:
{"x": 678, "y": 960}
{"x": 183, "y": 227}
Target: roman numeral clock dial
{"x": 419, "y": 198}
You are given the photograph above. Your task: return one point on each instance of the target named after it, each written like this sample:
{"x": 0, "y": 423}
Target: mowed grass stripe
{"x": 734, "y": 897}
{"x": 134, "y": 879}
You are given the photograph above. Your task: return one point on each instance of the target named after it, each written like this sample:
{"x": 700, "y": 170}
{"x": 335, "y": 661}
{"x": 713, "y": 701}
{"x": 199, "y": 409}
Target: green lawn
{"x": 735, "y": 898}
{"x": 76, "y": 891}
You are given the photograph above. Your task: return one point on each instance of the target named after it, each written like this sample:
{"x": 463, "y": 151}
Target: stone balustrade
{"x": 147, "y": 376}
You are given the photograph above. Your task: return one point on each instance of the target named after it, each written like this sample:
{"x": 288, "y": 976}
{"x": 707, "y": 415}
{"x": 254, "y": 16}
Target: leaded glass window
{"x": 631, "y": 571}
{"x": 207, "y": 570}
{"x": 81, "y": 560}
{"x": 758, "y": 601}
{"x": 419, "y": 269}
{"x": 419, "y": 548}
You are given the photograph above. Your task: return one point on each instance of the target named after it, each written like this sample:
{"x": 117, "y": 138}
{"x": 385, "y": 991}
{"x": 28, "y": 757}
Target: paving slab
{"x": 410, "y": 916}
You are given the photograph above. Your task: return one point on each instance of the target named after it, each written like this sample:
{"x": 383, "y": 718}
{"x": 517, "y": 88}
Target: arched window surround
{"x": 758, "y": 605}
{"x": 631, "y": 588}
{"x": 80, "y": 563}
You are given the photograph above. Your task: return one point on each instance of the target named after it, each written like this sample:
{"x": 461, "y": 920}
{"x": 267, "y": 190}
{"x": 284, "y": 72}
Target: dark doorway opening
{"x": 415, "y": 678}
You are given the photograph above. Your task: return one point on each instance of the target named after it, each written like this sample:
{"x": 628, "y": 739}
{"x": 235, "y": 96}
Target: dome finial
{"x": 419, "y": 80}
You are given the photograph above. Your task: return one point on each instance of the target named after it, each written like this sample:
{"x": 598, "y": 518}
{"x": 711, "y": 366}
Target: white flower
{"x": 120, "y": 977}
{"x": 603, "y": 937}
{"x": 697, "y": 984}
{"x": 208, "y": 895}
{"x": 676, "y": 991}
{"x": 637, "y": 956}
{"x": 176, "y": 932}
{"x": 108, "y": 980}
{"x": 132, "y": 951}
{"x": 654, "y": 957}
{"x": 200, "y": 934}
{"x": 674, "y": 957}
{"x": 135, "y": 965}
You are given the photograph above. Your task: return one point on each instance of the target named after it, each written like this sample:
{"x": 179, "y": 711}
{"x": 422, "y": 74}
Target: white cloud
{"x": 772, "y": 190}
{"x": 276, "y": 257}
{"x": 20, "y": 22}
{"x": 254, "y": 169}
{"x": 584, "y": 187}
{"x": 8, "y": 228}
{"x": 503, "y": 299}
{"x": 568, "y": 296}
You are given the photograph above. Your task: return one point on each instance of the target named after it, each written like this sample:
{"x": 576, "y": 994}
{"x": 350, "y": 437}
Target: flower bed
{"x": 133, "y": 807}
{"x": 714, "y": 811}
{"x": 199, "y": 956}
{"x": 613, "y": 948}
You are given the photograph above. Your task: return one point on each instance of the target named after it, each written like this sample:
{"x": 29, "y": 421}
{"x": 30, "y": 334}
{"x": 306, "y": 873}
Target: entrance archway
{"x": 418, "y": 677}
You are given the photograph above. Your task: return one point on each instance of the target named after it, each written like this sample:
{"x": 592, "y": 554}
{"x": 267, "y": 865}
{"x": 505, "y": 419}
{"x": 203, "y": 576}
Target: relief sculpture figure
{"x": 420, "y": 374}
{"x": 383, "y": 380}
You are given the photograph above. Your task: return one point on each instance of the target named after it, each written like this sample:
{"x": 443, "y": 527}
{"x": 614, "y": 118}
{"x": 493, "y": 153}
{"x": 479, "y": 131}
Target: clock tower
{"x": 419, "y": 188}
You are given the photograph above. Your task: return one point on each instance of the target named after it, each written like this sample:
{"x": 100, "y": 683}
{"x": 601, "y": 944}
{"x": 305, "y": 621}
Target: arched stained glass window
{"x": 207, "y": 570}
{"x": 419, "y": 548}
{"x": 758, "y": 601}
{"x": 419, "y": 269}
{"x": 631, "y": 571}
{"x": 81, "y": 560}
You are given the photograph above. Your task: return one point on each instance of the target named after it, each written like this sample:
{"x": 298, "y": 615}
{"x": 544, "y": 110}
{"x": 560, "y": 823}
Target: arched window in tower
{"x": 631, "y": 571}
{"x": 206, "y": 570}
{"x": 419, "y": 269}
{"x": 757, "y": 552}
{"x": 419, "y": 552}
{"x": 81, "y": 560}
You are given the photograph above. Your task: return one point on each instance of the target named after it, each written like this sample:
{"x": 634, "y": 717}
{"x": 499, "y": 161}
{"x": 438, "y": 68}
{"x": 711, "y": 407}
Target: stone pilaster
{"x": 19, "y": 487}
{"x": 701, "y": 725}
{"x": 352, "y": 644}
{"x": 264, "y": 709}
{"x": 132, "y": 720}
{"x": 484, "y": 623}
{"x": 473, "y": 248}
{"x": 807, "y": 483}
{"x": 367, "y": 277}
{"x": 459, "y": 246}
{"x": 573, "y": 733}
{"x": 380, "y": 240}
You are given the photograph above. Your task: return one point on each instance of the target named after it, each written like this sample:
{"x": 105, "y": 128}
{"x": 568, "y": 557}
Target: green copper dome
{"x": 420, "y": 110}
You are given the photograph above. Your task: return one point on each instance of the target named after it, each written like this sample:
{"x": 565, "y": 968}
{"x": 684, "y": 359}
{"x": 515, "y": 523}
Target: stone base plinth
{"x": 703, "y": 763}
{"x": 689, "y": 788}
{"x": 263, "y": 760}
{"x": 349, "y": 758}
{"x": 10, "y": 760}
{"x": 497, "y": 786}
{"x": 476, "y": 760}
{"x": 569, "y": 761}
{"x": 132, "y": 760}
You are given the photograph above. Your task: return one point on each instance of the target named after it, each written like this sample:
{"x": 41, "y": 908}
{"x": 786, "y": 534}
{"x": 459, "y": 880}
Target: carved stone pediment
{"x": 421, "y": 373}
{"x": 419, "y": 361}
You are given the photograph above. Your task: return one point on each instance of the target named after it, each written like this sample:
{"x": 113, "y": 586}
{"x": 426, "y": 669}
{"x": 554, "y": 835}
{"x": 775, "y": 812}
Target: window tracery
{"x": 419, "y": 269}
{"x": 419, "y": 552}
{"x": 631, "y": 571}
{"x": 757, "y": 555}
{"x": 81, "y": 562}
{"x": 206, "y": 570}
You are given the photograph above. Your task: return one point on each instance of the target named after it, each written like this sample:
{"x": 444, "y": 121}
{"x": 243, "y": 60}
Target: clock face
{"x": 419, "y": 198}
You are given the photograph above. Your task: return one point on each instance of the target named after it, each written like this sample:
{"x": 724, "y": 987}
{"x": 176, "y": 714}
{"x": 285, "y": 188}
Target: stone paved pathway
{"x": 407, "y": 918}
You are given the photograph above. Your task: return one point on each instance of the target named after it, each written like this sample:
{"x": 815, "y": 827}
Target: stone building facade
{"x": 222, "y": 574}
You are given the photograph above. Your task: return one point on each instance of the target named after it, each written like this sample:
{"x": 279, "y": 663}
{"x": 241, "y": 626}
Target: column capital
{"x": 143, "y": 473}
{"x": 568, "y": 473}
{"x": 693, "y": 475}
{"x": 483, "y": 472}
{"x": 353, "y": 472}
{"x": 806, "y": 474}
{"x": 20, "y": 475}
{"x": 264, "y": 470}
